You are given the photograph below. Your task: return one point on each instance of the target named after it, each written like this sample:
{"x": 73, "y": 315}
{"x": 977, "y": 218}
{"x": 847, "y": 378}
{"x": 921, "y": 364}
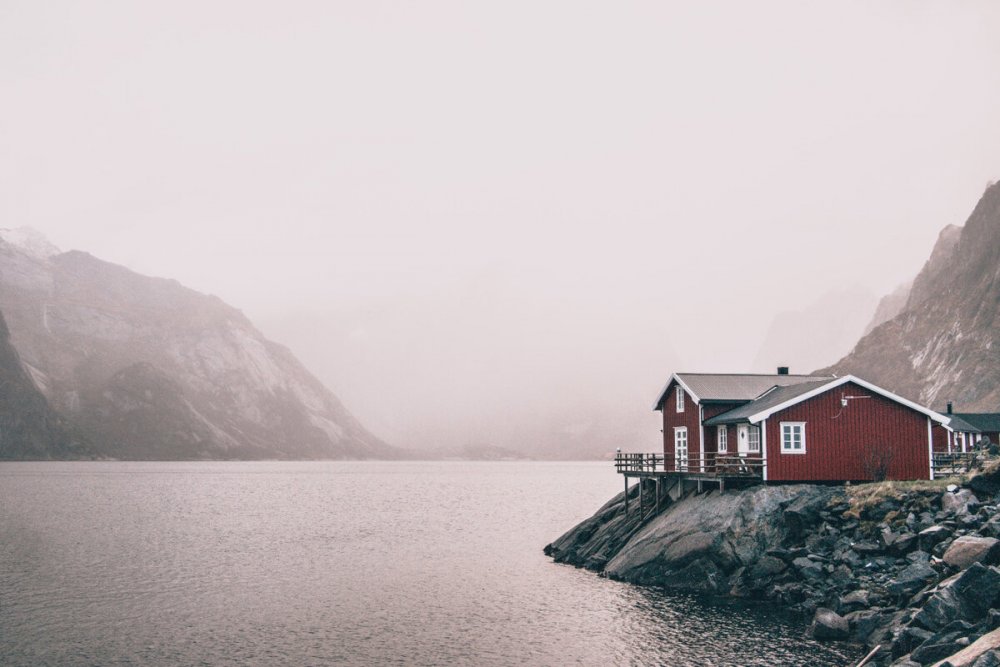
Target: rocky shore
{"x": 908, "y": 567}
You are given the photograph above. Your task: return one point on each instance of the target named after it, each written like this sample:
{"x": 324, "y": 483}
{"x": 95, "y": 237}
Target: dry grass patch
{"x": 864, "y": 496}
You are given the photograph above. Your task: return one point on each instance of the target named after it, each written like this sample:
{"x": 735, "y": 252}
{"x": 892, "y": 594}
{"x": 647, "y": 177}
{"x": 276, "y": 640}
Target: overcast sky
{"x": 443, "y": 206}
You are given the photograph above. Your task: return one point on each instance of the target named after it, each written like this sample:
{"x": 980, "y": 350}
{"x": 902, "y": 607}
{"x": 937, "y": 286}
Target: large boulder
{"x": 958, "y": 502}
{"x": 969, "y": 549}
{"x": 729, "y": 530}
{"x": 967, "y": 596}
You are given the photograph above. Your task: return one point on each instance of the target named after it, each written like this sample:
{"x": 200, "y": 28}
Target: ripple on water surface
{"x": 338, "y": 563}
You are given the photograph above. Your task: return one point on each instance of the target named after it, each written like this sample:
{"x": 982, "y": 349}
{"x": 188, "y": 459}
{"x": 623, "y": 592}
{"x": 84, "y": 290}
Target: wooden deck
{"x": 725, "y": 466}
{"x": 667, "y": 478}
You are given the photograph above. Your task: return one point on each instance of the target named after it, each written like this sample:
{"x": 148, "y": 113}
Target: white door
{"x": 680, "y": 449}
{"x": 743, "y": 439}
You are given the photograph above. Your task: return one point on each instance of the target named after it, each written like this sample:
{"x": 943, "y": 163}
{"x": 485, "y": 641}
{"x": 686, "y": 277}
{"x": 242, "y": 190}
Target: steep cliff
{"x": 149, "y": 369}
{"x": 944, "y": 344}
{"x": 889, "y": 306}
{"x": 29, "y": 428}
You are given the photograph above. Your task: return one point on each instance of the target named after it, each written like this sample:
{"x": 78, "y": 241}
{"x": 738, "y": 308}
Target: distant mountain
{"x": 148, "y": 369}
{"x": 817, "y": 334}
{"x": 945, "y": 344}
{"x": 889, "y": 306}
{"x": 29, "y": 428}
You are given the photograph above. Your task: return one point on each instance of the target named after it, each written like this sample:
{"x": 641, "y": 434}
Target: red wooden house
{"x": 801, "y": 428}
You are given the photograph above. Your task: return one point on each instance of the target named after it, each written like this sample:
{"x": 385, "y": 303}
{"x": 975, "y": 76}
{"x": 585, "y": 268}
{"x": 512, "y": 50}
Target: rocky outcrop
{"x": 29, "y": 428}
{"x": 148, "y": 369}
{"x": 889, "y": 306}
{"x": 909, "y": 568}
{"x": 942, "y": 346}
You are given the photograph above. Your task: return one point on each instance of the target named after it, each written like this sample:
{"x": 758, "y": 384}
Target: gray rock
{"x": 907, "y": 639}
{"x": 912, "y": 579}
{"x": 958, "y": 502}
{"x": 728, "y": 531}
{"x": 808, "y": 569}
{"x": 929, "y": 537}
{"x": 988, "y": 659}
{"x": 828, "y": 624}
{"x": 854, "y": 601}
{"x": 966, "y": 596}
{"x": 766, "y": 567}
{"x": 928, "y": 653}
{"x": 968, "y": 549}
{"x": 867, "y": 548}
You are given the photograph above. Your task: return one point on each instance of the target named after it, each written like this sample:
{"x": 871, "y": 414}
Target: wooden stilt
{"x": 641, "y": 480}
{"x": 657, "y": 495}
{"x": 626, "y": 495}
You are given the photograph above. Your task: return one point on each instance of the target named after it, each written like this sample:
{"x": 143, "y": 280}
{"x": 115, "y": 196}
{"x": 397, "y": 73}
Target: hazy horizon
{"x": 473, "y": 221}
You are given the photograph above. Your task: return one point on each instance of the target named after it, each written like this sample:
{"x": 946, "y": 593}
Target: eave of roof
{"x": 785, "y": 397}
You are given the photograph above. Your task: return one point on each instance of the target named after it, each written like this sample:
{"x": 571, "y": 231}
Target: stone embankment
{"x": 906, "y": 567}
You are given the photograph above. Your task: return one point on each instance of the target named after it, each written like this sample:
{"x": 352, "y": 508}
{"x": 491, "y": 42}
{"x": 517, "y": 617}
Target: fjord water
{"x": 360, "y": 563}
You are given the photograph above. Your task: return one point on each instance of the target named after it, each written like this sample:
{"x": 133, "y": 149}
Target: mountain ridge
{"x": 943, "y": 345}
{"x": 150, "y": 369}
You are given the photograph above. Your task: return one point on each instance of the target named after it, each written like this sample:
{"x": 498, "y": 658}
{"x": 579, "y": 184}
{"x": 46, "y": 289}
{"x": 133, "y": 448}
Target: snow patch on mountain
{"x": 30, "y": 241}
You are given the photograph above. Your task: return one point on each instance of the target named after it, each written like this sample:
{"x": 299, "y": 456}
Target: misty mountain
{"x": 29, "y": 428}
{"x": 484, "y": 365}
{"x": 889, "y": 306}
{"x": 944, "y": 344}
{"x": 818, "y": 334}
{"x": 148, "y": 369}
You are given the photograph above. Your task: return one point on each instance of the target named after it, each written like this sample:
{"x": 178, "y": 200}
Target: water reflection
{"x": 338, "y": 563}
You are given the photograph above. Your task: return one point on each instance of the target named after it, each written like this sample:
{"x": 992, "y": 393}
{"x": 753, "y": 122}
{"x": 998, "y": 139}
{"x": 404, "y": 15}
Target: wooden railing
{"x": 955, "y": 463}
{"x": 721, "y": 465}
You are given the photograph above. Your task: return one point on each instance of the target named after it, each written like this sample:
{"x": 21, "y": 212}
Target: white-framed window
{"x": 753, "y": 441}
{"x": 723, "y": 438}
{"x": 793, "y": 437}
{"x": 680, "y": 399}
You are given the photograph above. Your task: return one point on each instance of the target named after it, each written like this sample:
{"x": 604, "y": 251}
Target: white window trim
{"x": 722, "y": 439}
{"x": 781, "y": 434}
{"x": 679, "y": 398}
{"x": 756, "y": 429}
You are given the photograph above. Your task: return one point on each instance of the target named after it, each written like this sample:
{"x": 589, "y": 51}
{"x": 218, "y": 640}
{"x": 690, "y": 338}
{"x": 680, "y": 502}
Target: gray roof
{"x": 957, "y": 423}
{"x": 776, "y": 396}
{"x": 733, "y": 387}
{"x": 984, "y": 421}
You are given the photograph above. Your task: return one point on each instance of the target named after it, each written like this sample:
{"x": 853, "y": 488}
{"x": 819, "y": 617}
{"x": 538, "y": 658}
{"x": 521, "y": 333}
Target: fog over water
{"x": 503, "y": 223}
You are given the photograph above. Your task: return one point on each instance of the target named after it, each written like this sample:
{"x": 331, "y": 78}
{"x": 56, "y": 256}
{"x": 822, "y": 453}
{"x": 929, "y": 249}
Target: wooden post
{"x": 641, "y": 480}
{"x": 657, "y": 495}
{"x": 626, "y": 495}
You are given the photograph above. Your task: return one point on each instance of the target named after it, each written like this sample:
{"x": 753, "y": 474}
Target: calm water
{"x": 337, "y": 563}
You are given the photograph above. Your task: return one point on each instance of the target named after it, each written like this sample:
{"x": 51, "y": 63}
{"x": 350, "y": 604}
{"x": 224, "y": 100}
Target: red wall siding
{"x": 838, "y": 439}
{"x": 672, "y": 418}
{"x": 940, "y": 438}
